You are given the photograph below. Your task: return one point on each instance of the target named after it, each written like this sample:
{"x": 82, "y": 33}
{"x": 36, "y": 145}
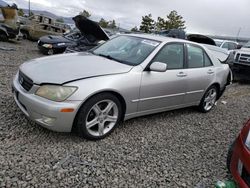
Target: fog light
{"x": 48, "y": 120}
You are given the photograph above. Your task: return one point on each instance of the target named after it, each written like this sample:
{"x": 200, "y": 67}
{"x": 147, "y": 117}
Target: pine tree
{"x": 147, "y": 24}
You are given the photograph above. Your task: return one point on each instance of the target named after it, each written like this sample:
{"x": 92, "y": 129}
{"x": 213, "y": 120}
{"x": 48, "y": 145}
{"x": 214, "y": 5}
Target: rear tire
{"x": 98, "y": 117}
{"x": 209, "y": 99}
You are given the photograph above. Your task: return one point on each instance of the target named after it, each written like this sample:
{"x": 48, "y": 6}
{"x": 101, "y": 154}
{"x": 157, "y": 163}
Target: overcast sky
{"x": 221, "y": 17}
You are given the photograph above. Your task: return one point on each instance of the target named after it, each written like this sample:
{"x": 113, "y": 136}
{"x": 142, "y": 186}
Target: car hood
{"x": 201, "y": 39}
{"x": 53, "y": 39}
{"x": 90, "y": 28}
{"x": 60, "y": 69}
{"x": 244, "y": 49}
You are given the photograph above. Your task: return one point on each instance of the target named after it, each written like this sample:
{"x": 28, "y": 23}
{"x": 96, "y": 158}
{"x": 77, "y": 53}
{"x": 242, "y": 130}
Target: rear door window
{"x": 197, "y": 57}
{"x": 172, "y": 55}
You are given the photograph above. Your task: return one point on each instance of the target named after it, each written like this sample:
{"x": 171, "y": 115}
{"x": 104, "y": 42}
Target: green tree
{"x": 147, "y": 24}
{"x": 135, "y": 29}
{"x": 103, "y": 23}
{"x": 161, "y": 24}
{"x": 85, "y": 13}
{"x": 112, "y": 24}
{"x": 60, "y": 20}
{"x": 20, "y": 12}
{"x": 175, "y": 21}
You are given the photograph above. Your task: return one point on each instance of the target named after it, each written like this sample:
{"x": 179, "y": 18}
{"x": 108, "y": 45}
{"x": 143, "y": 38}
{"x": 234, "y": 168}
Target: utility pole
{"x": 238, "y": 34}
{"x": 29, "y": 9}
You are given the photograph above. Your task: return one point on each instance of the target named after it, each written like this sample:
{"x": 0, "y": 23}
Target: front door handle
{"x": 210, "y": 71}
{"x": 181, "y": 74}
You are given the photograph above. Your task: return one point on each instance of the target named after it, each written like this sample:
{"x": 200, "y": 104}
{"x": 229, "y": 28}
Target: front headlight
{"x": 55, "y": 93}
{"x": 47, "y": 46}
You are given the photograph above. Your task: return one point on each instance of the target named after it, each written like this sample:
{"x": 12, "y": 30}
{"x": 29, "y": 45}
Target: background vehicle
{"x": 126, "y": 77}
{"x": 241, "y": 64}
{"x": 87, "y": 36}
{"x": 229, "y": 45}
{"x": 9, "y": 25}
{"x": 238, "y": 159}
{"x": 92, "y": 33}
{"x": 52, "y": 44}
{"x": 35, "y": 31}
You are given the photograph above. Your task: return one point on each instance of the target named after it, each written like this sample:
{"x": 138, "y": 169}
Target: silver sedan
{"x": 126, "y": 77}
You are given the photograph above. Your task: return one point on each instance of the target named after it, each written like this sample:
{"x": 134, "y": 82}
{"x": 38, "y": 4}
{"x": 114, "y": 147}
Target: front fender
{"x": 126, "y": 85}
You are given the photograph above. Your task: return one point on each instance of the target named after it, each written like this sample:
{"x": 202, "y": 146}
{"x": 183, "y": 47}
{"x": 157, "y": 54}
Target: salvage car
{"x": 9, "y": 25}
{"x": 35, "y": 31}
{"x": 226, "y": 44}
{"x": 53, "y": 44}
{"x": 241, "y": 64}
{"x": 125, "y": 77}
{"x": 88, "y": 36}
{"x": 92, "y": 32}
{"x": 238, "y": 158}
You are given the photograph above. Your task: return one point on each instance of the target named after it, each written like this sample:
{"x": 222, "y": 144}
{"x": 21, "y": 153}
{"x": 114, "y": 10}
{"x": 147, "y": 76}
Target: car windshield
{"x": 247, "y": 45}
{"x": 127, "y": 49}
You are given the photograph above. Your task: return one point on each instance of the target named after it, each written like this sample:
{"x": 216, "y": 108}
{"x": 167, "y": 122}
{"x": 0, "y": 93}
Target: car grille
{"x": 25, "y": 81}
{"x": 242, "y": 58}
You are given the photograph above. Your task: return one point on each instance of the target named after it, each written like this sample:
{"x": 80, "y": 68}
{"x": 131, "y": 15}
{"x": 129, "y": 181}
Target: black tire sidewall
{"x": 80, "y": 126}
{"x": 201, "y": 105}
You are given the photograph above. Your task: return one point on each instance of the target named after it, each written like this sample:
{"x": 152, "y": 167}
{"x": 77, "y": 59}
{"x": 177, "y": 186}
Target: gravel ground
{"x": 182, "y": 148}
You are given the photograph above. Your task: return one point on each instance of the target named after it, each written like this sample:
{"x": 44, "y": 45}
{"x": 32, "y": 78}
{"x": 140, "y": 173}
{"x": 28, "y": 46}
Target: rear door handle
{"x": 181, "y": 74}
{"x": 210, "y": 71}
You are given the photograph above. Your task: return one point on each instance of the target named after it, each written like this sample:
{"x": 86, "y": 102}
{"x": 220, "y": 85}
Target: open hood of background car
{"x": 90, "y": 29}
{"x": 201, "y": 39}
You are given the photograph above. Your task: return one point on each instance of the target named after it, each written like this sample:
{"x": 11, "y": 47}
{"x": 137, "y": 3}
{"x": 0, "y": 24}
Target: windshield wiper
{"x": 110, "y": 57}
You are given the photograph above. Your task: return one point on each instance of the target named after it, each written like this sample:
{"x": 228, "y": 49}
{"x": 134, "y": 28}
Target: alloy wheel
{"x": 210, "y": 99}
{"x": 101, "y": 118}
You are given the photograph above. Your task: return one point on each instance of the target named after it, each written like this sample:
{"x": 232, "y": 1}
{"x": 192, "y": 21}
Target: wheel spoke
{"x": 101, "y": 129}
{"x": 109, "y": 107}
{"x": 111, "y": 118}
{"x": 91, "y": 123}
{"x": 97, "y": 109}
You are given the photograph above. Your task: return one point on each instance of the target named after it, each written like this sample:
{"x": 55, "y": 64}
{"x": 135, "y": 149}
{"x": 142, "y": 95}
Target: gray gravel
{"x": 182, "y": 148}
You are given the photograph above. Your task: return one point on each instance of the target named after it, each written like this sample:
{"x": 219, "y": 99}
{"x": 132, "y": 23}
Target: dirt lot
{"x": 182, "y": 148}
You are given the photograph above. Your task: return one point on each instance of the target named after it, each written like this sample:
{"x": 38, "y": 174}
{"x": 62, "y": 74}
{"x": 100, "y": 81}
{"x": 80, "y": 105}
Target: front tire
{"x": 98, "y": 117}
{"x": 208, "y": 101}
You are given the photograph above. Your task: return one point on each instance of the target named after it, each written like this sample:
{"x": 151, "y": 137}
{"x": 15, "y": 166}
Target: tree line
{"x": 148, "y": 25}
{"x": 172, "y": 21}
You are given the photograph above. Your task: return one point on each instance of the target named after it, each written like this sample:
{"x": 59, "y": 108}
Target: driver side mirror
{"x": 158, "y": 67}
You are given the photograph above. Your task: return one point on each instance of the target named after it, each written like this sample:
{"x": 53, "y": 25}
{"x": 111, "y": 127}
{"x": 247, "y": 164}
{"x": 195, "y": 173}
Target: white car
{"x": 226, "y": 44}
